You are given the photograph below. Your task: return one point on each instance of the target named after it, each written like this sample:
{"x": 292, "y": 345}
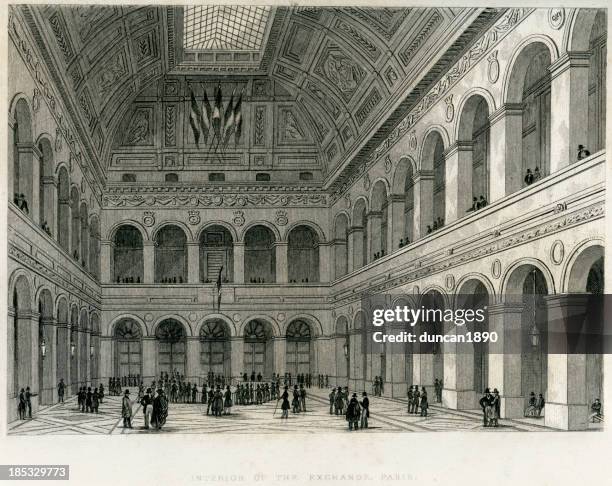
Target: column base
{"x": 458, "y": 399}
{"x": 398, "y": 390}
{"x": 512, "y": 407}
{"x": 566, "y": 417}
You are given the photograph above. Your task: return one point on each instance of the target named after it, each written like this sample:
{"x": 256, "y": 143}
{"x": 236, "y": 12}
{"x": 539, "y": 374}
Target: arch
{"x": 378, "y": 219}
{"x": 174, "y": 317}
{"x": 342, "y": 325}
{"x": 110, "y": 236}
{"x": 403, "y": 201}
{"x": 466, "y": 282}
{"x": 575, "y": 276}
{"x": 112, "y": 329}
{"x": 433, "y": 160}
{"x": 127, "y": 259}
{"x": 407, "y": 300}
{"x": 171, "y": 337}
{"x": 61, "y": 306}
{"x": 45, "y": 300}
{"x": 258, "y": 357}
{"x": 21, "y": 285}
{"x": 406, "y": 167}
{"x": 94, "y": 319}
{"x": 341, "y": 235}
{"x": 63, "y": 208}
{"x": 359, "y": 320}
{"x": 311, "y": 224}
{"x": 46, "y": 190}
{"x": 20, "y": 332}
{"x": 299, "y": 351}
{"x": 576, "y": 37}
{"x": 426, "y": 153}
{"x": 215, "y": 347}
{"x": 211, "y": 223}
{"x": 359, "y": 233}
{"x": 361, "y": 204}
{"x": 268, "y": 225}
{"x": 216, "y": 252}
{"x": 511, "y": 278}
{"x": 84, "y": 217}
{"x": 21, "y": 173}
{"x": 315, "y": 325}
{"x": 276, "y": 330}
{"x": 217, "y": 316}
{"x": 170, "y": 254}
{"x": 465, "y": 100}
{"x": 161, "y": 226}
{"x": 303, "y": 254}
{"x": 260, "y": 254}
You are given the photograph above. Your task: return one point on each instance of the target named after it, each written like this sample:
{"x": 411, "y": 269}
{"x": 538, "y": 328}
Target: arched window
{"x": 128, "y": 264}
{"x": 259, "y": 255}
{"x": 597, "y": 83}
{"x": 216, "y": 253}
{"x": 76, "y": 224}
{"x": 21, "y": 337}
{"x": 75, "y": 351}
{"x": 298, "y": 347}
{"x": 171, "y": 255}
{"x": 171, "y": 339}
{"x": 22, "y": 163}
{"x": 45, "y": 323}
{"x": 341, "y": 245}
{"x": 215, "y": 348}
{"x": 127, "y": 339}
{"x": 303, "y": 255}
{"x": 63, "y": 209}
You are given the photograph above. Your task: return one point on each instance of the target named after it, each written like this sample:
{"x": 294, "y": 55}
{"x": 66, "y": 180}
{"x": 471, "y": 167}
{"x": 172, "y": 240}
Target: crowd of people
{"x": 172, "y": 280}
{"x": 379, "y": 254}
{"x": 355, "y": 412}
{"x": 128, "y": 279}
{"x": 435, "y": 225}
{"x": 417, "y": 400}
{"x": 89, "y": 401}
{"x": 477, "y": 203}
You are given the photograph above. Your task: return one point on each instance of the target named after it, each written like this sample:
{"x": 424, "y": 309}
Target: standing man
{"x": 126, "y": 410}
{"x": 365, "y": 411}
{"x": 424, "y": 403}
{"x": 302, "y": 398}
{"x": 438, "y": 390}
{"x": 353, "y": 412}
{"x": 61, "y": 387}
{"x": 332, "y": 401}
{"x": 147, "y": 407}
{"x": 484, "y": 404}
{"x": 410, "y": 399}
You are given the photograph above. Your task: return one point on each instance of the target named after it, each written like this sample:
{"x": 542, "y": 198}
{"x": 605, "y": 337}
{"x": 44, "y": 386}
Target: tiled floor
{"x": 387, "y": 415}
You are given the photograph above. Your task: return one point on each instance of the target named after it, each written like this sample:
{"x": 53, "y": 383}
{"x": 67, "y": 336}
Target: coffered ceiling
{"x": 342, "y": 73}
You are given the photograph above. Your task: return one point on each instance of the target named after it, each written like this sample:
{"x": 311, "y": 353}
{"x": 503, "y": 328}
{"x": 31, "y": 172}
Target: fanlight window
{"x": 170, "y": 331}
{"x": 298, "y": 331}
{"x": 213, "y": 331}
{"x": 255, "y": 331}
{"x": 128, "y": 329}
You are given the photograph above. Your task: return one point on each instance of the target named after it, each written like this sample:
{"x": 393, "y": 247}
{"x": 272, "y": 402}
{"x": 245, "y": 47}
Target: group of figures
{"x": 298, "y": 404}
{"x": 154, "y": 408}
{"x": 24, "y": 403}
{"x": 491, "y": 406}
{"x": 379, "y": 386}
{"x": 116, "y": 383}
{"x": 357, "y": 412}
{"x": 417, "y": 400}
{"x": 89, "y": 401}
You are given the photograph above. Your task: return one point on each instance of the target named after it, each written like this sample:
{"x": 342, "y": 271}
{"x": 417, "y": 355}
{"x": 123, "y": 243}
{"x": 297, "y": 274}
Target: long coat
{"x": 353, "y": 411}
{"x": 126, "y": 407}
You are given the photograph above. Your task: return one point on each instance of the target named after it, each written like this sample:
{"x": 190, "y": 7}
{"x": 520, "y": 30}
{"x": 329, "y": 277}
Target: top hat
{"x": 127, "y": 392}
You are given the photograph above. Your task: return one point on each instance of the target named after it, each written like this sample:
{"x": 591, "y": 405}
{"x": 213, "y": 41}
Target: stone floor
{"x": 387, "y": 415}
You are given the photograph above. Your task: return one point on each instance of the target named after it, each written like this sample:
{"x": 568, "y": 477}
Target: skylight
{"x": 224, "y": 27}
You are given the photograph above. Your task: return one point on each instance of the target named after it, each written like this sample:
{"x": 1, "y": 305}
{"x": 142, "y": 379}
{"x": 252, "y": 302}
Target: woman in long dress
{"x": 227, "y": 404}
{"x": 160, "y": 409}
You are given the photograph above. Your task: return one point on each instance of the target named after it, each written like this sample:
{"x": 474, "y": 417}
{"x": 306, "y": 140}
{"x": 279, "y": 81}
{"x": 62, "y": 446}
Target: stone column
{"x": 375, "y": 236}
{"x": 567, "y": 403}
{"x": 280, "y": 355}
{"x": 505, "y": 357}
{"x": 149, "y": 358}
{"x": 239, "y": 262}
{"x": 148, "y": 262}
{"x": 63, "y": 354}
{"x": 458, "y": 384}
{"x": 458, "y": 190}
{"x": 282, "y": 268}
{"x": 355, "y": 236}
{"x": 28, "y": 346}
{"x": 48, "y": 394}
{"x": 105, "y": 364}
{"x": 50, "y": 191}
{"x": 569, "y": 108}
{"x": 423, "y": 202}
{"x": 106, "y": 261}
{"x": 506, "y": 165}
{"x": 29, "y": 170}
{"x": 193, "y": 358}
{"x": 84, "y": 372}
{"x": 397, "y": 207}
{"x": 237, "y": 357}
{"x": 193, "y": 263}
{"x": 326, "y": 262}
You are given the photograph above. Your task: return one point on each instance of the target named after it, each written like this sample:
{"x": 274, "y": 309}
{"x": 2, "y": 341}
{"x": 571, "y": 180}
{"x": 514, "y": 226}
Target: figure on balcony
{"x": 482, "y": 202}
{"x": 528, "y": 177}
{"x": 536, "y": 174}
{"x": 583, "y": 152}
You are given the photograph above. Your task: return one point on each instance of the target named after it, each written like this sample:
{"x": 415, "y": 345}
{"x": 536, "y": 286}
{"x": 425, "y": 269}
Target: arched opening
{"x": 259, "y": 255}
{"x": 299, "y": 347}
{"x": 171, "y": 255}
{"x": 341, "y": 245}
{"x": 432, "y": 353}
{"x": 94, "y": 349}
{"x": 94, "y": 247}
{"x": 215, "y": 351}
{"x": 171, "y": 346}
{"x": 128, "y": 265}
{"x": 63, "y": 209}
{"x": 76, "y": 224}
{"x": 20, "y": 338}
{"x": 379, "y": 220}
{"x": 62, "y": 343}
{"x": 433, "y": 211}
{"x": 530, "y": 90}
{"x": 75, "y": 350}
{"x": 472, "y": 358}
{"x": 216, "y": 253}
{"x": 303, "y": 255}
{"x": 403, "y": 203}
{"x": 46, "y": 337}
{"x": 408, "y": 219}
{"x": 22, "y": 157}
{"x": 84, "y": 350}
{"x": 46, "y": 186}
{"x": 84, "y": 213}
{"x": 598, "y": 55}
{"x": 359, "y": 233}
{"x": 258, "y": 353}
{"x": 341, "y": 338}
{"x": 474, "y": 140}
{"x": 127, "y": 344}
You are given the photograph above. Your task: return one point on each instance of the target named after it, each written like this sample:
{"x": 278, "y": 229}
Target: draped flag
{"x": 228, "y": 125}
{"x": 216, "y": 114}
{"x": 206, "y": 115}
{"x": 195, "y": 118}
{"x": 238, "y": 119}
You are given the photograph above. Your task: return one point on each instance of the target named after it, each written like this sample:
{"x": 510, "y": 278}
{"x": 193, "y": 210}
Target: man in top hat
{"x": 353, "y": 412}
{"x": 484, "y": 404}
{"x": 126, "y": 410}
{"x": 302, "y": 398}
{"x": 147, "y": 407}
{"x": 496, "y": 407}
{"x": 409, "y": 396}
{"x": 61, "y": 387}
{"x": 582, "y": 153}
{"x": 332, "y": 401}
{"x": 365, "y": 410}
{"x": 539, "y": 405}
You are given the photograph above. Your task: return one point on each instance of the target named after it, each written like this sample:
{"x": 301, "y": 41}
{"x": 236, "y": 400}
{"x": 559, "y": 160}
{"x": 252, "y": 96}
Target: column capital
{"x": 505, "y": 308}
{"x": 28, "y": 147}
{"x": 397, "y": 198}
{"x": 568, "y": 60}
{"x": 374, "y": 214}
{"x": 458, "y": 146}
{"x": 507, "y": 109}
{"x": 238, "y": 243}
{"x": 424, "y": 175}
{"x": 49, "y": 180}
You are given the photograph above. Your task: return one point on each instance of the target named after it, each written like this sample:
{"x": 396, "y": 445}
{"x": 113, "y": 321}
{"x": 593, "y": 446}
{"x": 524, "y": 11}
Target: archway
{"x": 216, "y": 253}
{"x": 127, "y": 344}
{"x": 299, "y": 347}
{"x": 22, "y": 158}
{"x": 303, "y": 255}
{"x": 529, "y": 88}
{"x": 215, "y": 348}
{"x": 434, "y": 160}
{"x": 62, "y": 343}
{"x": 95, "y": 348}
{"x": 128, "y": 264}
{"x": 432, "y": 353}
{"x": 379, "y": 221}
{"x": 171, "y": 346}
{"x": 341, "y": 245}
{"x": 20, "y": 337}
{"x": 84, "y": 350}
{"x": 63, "y": 209}
{"x": 171, "y": 255}
{"x": 46, "y": 339}
{"x": 258, "y": 353}
{"x": 403, "y": 195}
{"x": 84, "y": 214}
{"x": 259, "y": 255}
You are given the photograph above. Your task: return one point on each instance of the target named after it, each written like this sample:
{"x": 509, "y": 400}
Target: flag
{"x": 219, "y": 289}
{"x": 238, "y": 119}
{"x": 195, "y": 116}
{"x": 206, "y": 115}
{"x": 216, "y": 114}
{"x": 228, "y": 126}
